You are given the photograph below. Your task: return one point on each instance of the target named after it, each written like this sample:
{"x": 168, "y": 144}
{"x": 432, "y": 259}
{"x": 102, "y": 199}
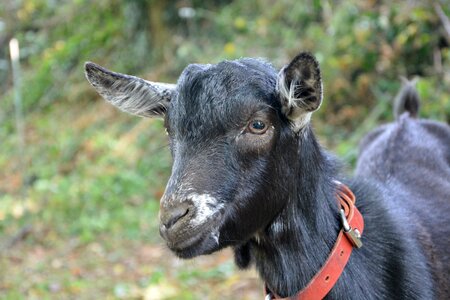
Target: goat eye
{"x": 257, "y": 127}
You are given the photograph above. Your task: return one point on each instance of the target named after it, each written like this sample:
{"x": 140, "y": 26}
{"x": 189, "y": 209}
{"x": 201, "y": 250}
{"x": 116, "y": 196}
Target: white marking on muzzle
{"x": 206, "y": 206}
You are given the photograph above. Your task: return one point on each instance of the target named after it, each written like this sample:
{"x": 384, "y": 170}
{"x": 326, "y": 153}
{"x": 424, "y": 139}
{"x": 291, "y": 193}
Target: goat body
{"x": 249, "y": 173}
{"x": 409, "y": 162}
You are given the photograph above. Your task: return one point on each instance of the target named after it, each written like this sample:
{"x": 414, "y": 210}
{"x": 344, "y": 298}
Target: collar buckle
{"x": 352, "y": 234}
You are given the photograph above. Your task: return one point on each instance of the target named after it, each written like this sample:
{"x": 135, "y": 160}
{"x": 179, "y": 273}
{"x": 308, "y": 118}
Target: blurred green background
{"x": 79, "y": 196}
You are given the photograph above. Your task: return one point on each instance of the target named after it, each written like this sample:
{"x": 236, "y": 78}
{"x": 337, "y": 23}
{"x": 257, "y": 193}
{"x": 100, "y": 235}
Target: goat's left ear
{"x": 300, "y": 88}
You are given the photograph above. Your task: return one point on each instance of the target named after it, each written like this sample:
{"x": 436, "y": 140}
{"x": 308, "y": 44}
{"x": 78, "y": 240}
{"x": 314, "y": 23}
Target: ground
{"x": 118, "y": 269}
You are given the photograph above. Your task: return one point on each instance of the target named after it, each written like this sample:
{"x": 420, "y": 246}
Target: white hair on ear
{"x": 300, "y": 119}
{"x": 285, "y": 92}
{"x": 292, "y": 106}
{"x": 141, "y": 97}
{"x": 129, "y": 93}
{"x": 289, "y": 93}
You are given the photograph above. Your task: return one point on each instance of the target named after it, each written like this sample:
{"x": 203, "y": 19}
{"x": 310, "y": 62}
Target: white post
{"x": 15, "y": 63}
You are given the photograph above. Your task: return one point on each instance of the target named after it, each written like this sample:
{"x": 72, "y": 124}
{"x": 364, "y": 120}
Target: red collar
{"x": 348, "y": 238}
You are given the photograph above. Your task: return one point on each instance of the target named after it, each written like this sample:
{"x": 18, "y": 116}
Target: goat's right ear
{"x": 299, "y": 86}
{"x": 129, "y": 93}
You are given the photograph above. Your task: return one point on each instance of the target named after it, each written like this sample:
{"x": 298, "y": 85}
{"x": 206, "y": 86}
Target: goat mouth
{"x": 201, "y": 240}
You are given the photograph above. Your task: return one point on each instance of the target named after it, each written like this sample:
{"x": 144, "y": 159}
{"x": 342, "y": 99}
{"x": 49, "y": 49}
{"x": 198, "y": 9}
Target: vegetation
{"x": 79, "y": 204}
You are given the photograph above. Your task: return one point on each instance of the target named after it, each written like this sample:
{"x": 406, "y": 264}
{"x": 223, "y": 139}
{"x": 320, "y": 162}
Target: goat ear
{"x": 130, "y": 94}
{"x": 300, "y": 88}
{"x": 407, "y": 99}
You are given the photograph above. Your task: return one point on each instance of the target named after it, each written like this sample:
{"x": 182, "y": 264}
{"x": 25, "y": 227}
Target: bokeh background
{"x": 80, "y": 181}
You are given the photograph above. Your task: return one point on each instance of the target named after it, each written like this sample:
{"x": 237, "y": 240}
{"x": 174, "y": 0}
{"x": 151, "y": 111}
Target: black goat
{"x": 249, "y": 173}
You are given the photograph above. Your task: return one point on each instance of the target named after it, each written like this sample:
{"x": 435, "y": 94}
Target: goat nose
{"x": 174, "y": 214}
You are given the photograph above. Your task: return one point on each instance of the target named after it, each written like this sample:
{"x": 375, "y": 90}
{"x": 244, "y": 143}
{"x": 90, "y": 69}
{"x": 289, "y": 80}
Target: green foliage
{"x": 93, "y": 176}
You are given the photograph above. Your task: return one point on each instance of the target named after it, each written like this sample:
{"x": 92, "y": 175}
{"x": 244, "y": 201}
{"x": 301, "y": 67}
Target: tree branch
{"x": 444, "y": 20}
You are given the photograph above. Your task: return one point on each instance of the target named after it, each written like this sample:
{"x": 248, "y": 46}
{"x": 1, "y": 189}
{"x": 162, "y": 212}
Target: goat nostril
{"x": 175, "y": 216}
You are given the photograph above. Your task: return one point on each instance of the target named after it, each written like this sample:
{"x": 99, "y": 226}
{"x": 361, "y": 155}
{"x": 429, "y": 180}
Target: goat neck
{"x": 296, "y": 244}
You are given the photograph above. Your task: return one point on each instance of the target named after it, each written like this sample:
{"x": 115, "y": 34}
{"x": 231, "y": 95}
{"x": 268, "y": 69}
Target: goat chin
{"x": 197, "y": 245}
{"x": 198, "y": 240}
